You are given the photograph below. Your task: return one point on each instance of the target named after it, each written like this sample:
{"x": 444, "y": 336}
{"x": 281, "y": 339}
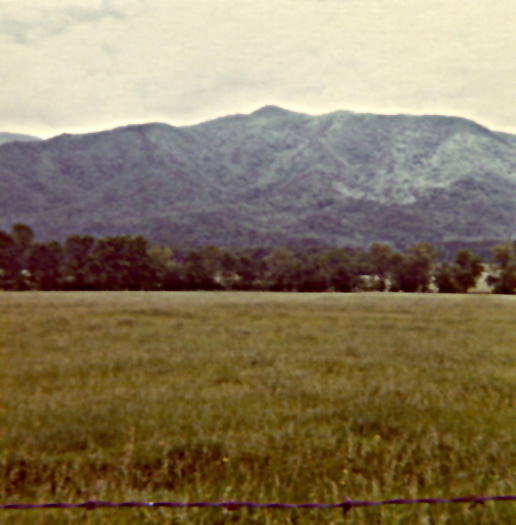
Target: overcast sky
{"x": 86, "y": 65}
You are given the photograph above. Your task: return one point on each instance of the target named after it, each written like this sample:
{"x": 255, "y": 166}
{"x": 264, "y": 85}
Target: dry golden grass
{"x": 257, "y": 396}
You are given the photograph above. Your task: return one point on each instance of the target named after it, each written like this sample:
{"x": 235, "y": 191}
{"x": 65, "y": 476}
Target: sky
{"x": 85, "y": 65}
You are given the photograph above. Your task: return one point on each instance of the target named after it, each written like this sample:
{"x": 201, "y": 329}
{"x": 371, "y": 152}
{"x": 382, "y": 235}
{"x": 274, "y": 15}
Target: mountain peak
{"x": 271, "y": 111}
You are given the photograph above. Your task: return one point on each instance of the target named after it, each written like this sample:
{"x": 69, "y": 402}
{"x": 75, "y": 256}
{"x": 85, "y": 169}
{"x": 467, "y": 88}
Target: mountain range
{"x": 273, "y": 177}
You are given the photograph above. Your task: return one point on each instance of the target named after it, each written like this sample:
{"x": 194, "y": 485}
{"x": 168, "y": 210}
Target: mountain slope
{"x": 271, "y": 177}
{"x": 13, "y": 137}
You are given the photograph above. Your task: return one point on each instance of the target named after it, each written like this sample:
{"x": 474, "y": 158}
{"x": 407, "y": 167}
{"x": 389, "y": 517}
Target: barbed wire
{"x": 231, "y": 505}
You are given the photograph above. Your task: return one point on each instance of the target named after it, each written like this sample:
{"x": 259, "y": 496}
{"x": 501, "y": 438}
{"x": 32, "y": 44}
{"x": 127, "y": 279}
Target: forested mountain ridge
{"x": 13, "y": 137}
{"x": 273, "y": 177}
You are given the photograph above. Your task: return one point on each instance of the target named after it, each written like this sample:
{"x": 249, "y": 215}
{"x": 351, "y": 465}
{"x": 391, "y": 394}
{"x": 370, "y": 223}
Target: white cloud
{"x": 183, "y": 61}
{"x": 28, "y": 22}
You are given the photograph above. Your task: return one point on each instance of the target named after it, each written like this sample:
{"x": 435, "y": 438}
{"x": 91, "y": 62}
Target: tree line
{"x": 128, "y": 262}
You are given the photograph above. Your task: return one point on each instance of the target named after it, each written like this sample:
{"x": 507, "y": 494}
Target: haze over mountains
{"x": 272, "y": 177}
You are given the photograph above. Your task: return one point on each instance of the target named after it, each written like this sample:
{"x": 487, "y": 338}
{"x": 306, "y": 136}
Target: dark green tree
{"x": 413, "y": 271}
{"x": 468, "y": 269}
{"x": 282, "y": 270}
{"x": 172, "y": 277}
{"x": 228, "y": 271}
{"x": 10, "y": 266}
{"x": 22, "y": 235}
{"x": 76, "y": 271}
{"x": 379, "y": 263}
{"x": 44, "y": 264}
{"x": 311, "y": 275}
{"x": 250, "y": 272}
{"x": 122, "y": 263}
{"x": 444, "y": 279}
{"x": 461, "y": 275}
{"x": 199, "y": 270}
{"x": 339, "y": 269}
{"x": 503, "y": 270}
{"x": 169, "y": 271}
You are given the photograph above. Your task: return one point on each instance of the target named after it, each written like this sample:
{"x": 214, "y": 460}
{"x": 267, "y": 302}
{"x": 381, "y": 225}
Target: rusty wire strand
{"x": 234, "y": 505}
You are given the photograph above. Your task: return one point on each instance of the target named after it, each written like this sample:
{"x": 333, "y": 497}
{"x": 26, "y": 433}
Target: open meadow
{"x": 257, "y": 397}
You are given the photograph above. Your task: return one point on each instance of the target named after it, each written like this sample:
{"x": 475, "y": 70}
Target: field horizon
{"x": 257, "y": 396}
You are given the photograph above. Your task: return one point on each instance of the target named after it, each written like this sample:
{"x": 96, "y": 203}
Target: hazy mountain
{"x": 271, "y": 177}
{"x": 12, "y": 137}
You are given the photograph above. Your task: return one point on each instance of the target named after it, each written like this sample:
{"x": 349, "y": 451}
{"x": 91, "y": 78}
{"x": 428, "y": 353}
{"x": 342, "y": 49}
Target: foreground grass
{"x": 262, "y": 397}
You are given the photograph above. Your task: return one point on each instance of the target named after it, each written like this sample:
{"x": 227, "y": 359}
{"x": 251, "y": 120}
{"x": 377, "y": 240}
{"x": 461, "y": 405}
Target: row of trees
{"x": 131, "y": 263}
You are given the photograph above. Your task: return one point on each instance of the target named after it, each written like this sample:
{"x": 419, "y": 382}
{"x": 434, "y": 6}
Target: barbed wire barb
{"x": 347, "y": 505}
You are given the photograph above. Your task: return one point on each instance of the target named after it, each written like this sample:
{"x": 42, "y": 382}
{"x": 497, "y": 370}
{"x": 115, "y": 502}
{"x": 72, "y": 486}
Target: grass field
{"x": 258, "y": 397}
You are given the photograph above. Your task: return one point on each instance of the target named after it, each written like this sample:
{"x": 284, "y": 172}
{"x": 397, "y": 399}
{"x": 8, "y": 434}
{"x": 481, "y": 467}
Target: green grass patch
{"x": 260, "y": 397}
